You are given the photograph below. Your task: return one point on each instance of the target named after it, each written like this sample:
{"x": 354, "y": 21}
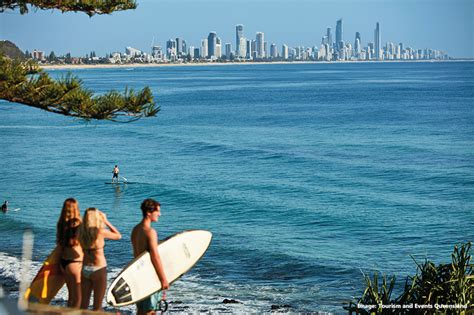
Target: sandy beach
{"x": 199, "y": 64}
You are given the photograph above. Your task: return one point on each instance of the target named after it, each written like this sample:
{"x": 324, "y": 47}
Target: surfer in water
{"x": 67, "y": 237}
{"x": 95, "y": 230}
{"x": 115, "y": 174}
{"x": 5, "y": 207}
{"x": 145, "y": 238}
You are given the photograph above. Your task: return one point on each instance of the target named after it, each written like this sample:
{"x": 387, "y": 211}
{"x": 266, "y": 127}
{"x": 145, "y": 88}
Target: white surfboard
{"x": 178, "y": 253}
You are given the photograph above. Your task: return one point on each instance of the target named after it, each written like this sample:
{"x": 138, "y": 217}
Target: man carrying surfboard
{"x": 145, "y": 238}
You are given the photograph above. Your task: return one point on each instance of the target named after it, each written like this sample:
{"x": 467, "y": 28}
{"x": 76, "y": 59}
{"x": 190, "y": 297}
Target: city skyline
{"x": 213, "y": 48}
{"x": 450, "y": 29}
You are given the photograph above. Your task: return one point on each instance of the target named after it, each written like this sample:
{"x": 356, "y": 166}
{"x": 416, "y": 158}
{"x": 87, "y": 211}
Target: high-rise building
{"x": 157, "y": 52}
{"x": 130, "y": 51}
{"x": 249, "y": 51}
{"x": 239, "y": 35}
{"x": 197, "y": 53}
{"x": 284, "y": 52}
{"x": 171, "y": 49}
{"x": 329, "y": 36}
{"x": 398, "y": 53}
{"x": 324, "y": 40}
{"x": 184, "y": 48}
{"x": 265, "y": 50}
{"x": 243, "y": 47}
{"x": 377, "y": 40}
{"x": 273, "y": 51}
{"x": 339, "y": 40}
{"x": 260, "y": 45}
{"x": 228, "y": 51}
{"x": 357, "y": 48}
{"x": 204, "y": 48}
{"x": 179, "y": 46}
{"x": 211, "y": 45}
{"x": 218, "y": 51}
{"x": 357, "y": 37}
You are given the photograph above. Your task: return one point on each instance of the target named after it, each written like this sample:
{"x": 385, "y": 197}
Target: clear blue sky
{"x": 439, "y": 24}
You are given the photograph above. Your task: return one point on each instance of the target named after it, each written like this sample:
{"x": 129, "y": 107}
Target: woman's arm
{"x": 112, "y": 233}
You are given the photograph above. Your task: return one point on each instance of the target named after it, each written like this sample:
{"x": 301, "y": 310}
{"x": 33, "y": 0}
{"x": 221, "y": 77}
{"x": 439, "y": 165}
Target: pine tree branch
{"x": 90, "y": 7}
{"x": 67, "y": 97}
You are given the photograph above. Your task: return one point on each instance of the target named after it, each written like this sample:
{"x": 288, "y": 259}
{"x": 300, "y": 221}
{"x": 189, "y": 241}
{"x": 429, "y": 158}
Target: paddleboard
{"x": 178, "y": 253}
{"x": 120, "y": 183}
{"x": 48, "y": 281}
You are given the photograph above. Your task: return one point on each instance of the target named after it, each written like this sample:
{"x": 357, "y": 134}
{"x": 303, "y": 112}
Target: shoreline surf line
{"x": 127, "y": 66}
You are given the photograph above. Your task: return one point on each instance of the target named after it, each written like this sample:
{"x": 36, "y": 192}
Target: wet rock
{"x": 231, "y": 301}
{"x": 283, "y": 307}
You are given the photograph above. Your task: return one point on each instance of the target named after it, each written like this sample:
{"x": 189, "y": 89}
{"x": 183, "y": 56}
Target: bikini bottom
{"x": 88, "y": 270}
{"x": 64, "y": 262}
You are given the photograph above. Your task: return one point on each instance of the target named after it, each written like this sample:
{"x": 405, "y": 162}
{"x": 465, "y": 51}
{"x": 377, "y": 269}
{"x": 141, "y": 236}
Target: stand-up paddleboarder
{"x": 115, "y": 174}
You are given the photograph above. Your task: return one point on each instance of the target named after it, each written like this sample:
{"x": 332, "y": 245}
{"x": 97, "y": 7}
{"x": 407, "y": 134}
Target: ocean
{"x": 308, "y": 176}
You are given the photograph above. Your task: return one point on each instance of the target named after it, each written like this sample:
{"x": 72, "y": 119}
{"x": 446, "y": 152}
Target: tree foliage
{"x": 23, "y": 82}
{"x": 443, "y": 284}
{"x": 90, "y": 7}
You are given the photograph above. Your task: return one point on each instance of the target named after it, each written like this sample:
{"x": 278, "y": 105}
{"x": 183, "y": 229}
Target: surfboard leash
{"x": 163, "y": 304}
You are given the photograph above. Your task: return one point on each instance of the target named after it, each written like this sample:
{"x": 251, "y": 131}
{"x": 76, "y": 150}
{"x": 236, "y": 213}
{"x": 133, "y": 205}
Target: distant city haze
{"x": 442, "y": 25}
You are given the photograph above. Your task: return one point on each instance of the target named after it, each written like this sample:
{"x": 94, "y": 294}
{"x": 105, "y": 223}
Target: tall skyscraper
{"x": 204, "y": 48}
{"x": 249, "y": 51}
{"x": 273, "y": 51}
{"x": 211, "y": 45}
{"x": 239, "y": 34}
{"x": 197, "y": 53}
{"x": 179, "y": 46}
{"x": 171, "y": 49}
{"x": 243, "y": 47}
{"x": 157, "y": 52}
{"x": 260, "y": 45}
{"x": 377, "y": 40}
{"x": 284, "y": 52}
{"x": 324, "y": 40}
{"x": 339, "y": 40}
{"x": 329, "y": 36}
{"x": 357, "y": 37}
{"x": 218, "y": 51}
{"x": 357, "y": 45}
{"x": 228, "y": 50}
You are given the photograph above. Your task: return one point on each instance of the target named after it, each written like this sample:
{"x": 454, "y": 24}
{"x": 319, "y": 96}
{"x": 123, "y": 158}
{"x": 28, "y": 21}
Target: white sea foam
{"x": 191, "y": 293}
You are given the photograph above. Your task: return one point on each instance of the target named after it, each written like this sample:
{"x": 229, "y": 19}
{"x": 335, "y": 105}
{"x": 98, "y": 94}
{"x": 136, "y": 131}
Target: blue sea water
{"x": 308, "y": 175}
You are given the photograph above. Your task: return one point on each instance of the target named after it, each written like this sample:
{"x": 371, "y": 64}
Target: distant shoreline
{"x": 191, "y": 64}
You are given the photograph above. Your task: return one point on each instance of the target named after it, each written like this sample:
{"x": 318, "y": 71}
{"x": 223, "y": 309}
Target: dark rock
{"x": 231, "y": 301}
{"x": 279, "y": 307}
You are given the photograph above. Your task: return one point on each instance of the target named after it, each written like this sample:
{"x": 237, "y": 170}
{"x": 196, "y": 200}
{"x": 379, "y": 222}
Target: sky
{"x": 446, "y": 25}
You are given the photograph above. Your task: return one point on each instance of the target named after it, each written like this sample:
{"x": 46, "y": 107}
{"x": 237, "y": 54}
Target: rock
{"x": 231, "y": 301}
{"x": 280, "y": 307}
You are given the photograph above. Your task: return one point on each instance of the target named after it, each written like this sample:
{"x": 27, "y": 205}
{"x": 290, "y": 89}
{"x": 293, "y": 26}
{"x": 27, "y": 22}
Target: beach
{"x": 207, "y": 64}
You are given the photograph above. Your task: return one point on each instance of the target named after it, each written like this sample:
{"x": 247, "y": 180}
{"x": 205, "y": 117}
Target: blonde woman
{"x": 95, "y": 230}
{"x": 67, "y": 237}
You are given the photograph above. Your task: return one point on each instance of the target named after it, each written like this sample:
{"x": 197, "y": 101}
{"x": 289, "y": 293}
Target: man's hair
{"x": 149, "y": 205}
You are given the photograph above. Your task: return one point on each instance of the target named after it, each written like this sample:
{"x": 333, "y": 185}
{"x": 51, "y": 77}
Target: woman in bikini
{"x": 94, "y": 270}
{"x": 67, "y": 237}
